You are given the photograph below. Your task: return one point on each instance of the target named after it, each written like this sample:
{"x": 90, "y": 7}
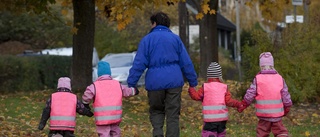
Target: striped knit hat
{"x": 214, "y": 70}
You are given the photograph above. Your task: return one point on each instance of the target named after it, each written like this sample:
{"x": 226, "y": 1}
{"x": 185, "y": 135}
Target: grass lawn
{"x": 20, "y": 114}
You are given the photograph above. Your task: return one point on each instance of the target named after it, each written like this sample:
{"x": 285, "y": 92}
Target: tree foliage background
{"x": 36, "y": 29}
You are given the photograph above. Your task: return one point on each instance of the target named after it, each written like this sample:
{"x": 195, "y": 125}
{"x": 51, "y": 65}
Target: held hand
{"x": 41, "y": 126}
{"x": 90, "y": 114}
{"x": 237, "y": 104}
{"x": 136, "y": 91}
{"x": 192, "y": 89}
{"x": 286, "y": 110}
{"x": 243, "y": 105}
{"x": 87, "y": 106}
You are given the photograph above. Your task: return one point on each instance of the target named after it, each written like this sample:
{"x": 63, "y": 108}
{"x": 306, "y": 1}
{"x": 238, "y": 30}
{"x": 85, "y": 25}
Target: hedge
{"x": 29, "y": 73}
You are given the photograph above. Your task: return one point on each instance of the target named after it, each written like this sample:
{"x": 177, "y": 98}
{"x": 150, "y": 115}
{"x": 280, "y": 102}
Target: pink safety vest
{"x": 268, "y": 99}
{"x": 63, "y": 111}
{"x": 108, "y": 102}
{"x": 214, "y": 105}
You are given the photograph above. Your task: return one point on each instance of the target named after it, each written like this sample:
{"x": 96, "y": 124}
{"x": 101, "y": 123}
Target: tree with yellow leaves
{"x": 84, "y": 15}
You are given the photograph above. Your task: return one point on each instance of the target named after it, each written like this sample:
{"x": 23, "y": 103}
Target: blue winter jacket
{"x": 167, "y": 60}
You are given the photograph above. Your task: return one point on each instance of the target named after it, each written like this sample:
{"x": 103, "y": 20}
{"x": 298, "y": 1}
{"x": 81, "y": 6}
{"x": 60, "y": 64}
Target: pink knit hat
{"x": 64, "y": 82}
{"x": 266, "y": 59}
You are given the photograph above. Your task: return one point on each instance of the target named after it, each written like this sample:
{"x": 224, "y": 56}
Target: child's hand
{"x": 192, "y": 89}
{"x": 90, "y": 114}
{"x": 87, "y": 106}
{"x": 286, "y": 110}
{"x": 243, "y": 105}
{"x": 41, "y": 126}
{"x": 136, "y": 91}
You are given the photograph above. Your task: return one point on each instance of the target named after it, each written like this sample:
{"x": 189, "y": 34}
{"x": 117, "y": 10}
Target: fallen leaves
{"x": 21, "y": 112}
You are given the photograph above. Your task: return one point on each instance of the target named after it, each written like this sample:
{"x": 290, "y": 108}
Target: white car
{"x": 120, "y": 64}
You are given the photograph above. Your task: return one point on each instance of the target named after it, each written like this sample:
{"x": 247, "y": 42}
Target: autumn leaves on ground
{"x": 21, "y": 112}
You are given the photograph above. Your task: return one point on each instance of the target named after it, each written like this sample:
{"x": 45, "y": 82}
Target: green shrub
{"x": 27, "y": 73}
{"x": 296, "y": 58}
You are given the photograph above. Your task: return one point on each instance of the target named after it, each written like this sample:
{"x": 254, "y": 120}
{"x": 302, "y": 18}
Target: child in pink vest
{"x": 106, "y": 95}
{"x": 273, "y": 100}
{"x": 215, "y": 98}
{"x": 61, "y": 108}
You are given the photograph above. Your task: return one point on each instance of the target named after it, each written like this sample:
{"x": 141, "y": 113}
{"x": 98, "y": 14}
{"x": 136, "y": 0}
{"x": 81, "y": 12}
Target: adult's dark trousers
{"x": 165, "y": 105}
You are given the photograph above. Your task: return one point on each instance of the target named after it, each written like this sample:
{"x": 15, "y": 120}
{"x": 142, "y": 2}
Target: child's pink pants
{"x": 265, "y": 127}
{"x": 112, "y": 130}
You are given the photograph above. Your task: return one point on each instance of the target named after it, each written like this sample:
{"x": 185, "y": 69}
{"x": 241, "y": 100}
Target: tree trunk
{"x": 208, "y": 40}
{"x": 183, "y": 24}
{"x": 83, "y": 43}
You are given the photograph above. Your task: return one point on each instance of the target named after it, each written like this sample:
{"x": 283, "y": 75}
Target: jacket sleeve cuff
{"x": 84, "y": 102}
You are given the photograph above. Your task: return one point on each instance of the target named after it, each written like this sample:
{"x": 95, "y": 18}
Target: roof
{"x": 224, "y": 23}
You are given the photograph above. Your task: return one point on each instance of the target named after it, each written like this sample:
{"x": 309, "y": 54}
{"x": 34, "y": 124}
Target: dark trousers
{"x": 165, "y": 104}
{"x": 64, "y": 133}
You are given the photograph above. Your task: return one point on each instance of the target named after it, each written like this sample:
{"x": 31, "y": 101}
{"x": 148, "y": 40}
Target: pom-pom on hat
{"x": 214, "y": 70}
{"x": 103, "y": 68}
{"x": 64, "y": 82}
{"x": 266, "y": 59}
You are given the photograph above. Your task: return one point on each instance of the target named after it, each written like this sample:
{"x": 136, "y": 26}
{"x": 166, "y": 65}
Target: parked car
{"x": 67, "y": 51}
{"x": 120, "y": 64}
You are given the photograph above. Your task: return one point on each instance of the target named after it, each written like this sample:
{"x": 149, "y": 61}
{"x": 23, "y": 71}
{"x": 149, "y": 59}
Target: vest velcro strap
{"x": 269, "y": 111}
{"x": 269, "y": 101}
{"x": 107, "y": 108}
{"x": 114, "y": 117}
{"x": 64, "y": 118}
{"x": 210, "y": 116}
{"x": 214, "y": 107}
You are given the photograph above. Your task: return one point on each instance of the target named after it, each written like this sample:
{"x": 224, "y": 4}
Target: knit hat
{"x": 266, "y": 59}
{"x": 64, "y": 82}
{"x": 103, "y": 68}
{"x": 214, "y": 70}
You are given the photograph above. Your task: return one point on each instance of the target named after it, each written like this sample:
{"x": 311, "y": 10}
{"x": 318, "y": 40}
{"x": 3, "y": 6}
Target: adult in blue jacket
{"x": 167, "y": 60}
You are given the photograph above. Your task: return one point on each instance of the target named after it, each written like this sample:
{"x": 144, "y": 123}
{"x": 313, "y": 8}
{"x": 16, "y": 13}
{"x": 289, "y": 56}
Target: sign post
{"x": 296, "y": 3}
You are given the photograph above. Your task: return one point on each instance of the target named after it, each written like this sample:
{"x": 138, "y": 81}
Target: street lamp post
{"x": 238, "y": 58}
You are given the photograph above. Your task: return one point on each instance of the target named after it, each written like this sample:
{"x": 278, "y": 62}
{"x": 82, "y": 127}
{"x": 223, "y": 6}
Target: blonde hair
{"x": 267, "y": 67}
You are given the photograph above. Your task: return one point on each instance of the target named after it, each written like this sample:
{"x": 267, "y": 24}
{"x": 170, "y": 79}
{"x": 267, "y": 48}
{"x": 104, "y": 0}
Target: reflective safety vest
{"x": 214, "y": 105}
{"x": 108, "y": 102}
{"x": 268, "y": 99}
{"x": 63, "y": 111}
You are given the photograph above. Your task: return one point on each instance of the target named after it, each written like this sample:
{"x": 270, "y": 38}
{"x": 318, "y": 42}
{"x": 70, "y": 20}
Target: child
{"x": 61, "y": 108}
{"x": 106, "y": 95}
{"x": 272, "y": 98}
{"x": 215, "y": 98}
